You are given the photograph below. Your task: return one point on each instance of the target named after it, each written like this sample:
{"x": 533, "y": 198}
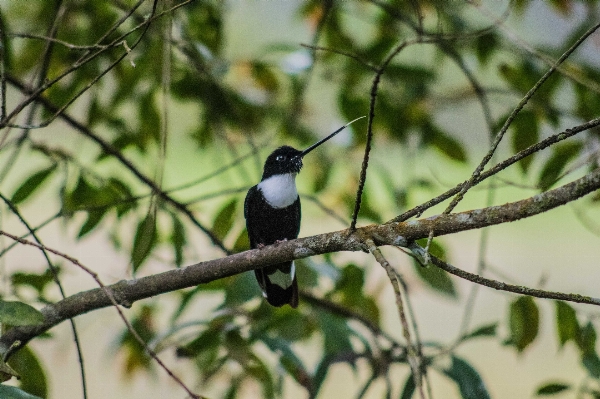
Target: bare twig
{"x": 414, "y": 361}
{"x": 113, "y": 301}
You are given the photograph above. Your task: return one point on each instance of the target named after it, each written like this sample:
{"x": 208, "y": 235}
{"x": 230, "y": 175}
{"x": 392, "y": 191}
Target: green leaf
{"x": 552, "y": 388}
{"x": 409, "y": 388}
{"x": 587, "y": 338}
{"x": 144, "y": 241}
{"x": 434, "y": 277}
{"x": 524, "y": 322}
{"x": 242, "y": 243}
{"x": 562, "y": 155}
{"x": 469, "y": 381}
{"x": 33, "y": 378}
{"x": 488, "y": 330}
{"x": 31, "y": 184}
{"x": 526, "y": 133}
{"x": 16, "y": 313}
{"x": 178, "y": 239}
{"x": 485, "y": 46}
{"x": 9, "y": 392}
{"x": 224, "y": 219}
{"x": 94, "y": 217}
{"x": 446, "y": 144}
{"x": 567, "y": 326}
{"x": 591, "y": 362}
{"x": 288, "y": 359}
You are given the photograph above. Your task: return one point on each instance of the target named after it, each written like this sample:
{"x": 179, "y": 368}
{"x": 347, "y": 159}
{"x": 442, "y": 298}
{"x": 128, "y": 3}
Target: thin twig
{"x": 414, "y": 360}
{"x": 113, "y": 301}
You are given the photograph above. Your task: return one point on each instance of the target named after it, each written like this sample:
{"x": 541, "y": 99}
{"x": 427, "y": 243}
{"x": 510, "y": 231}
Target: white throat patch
{"x": 279, "y": 190}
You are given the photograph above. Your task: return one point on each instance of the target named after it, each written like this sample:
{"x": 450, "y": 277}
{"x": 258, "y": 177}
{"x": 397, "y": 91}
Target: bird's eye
{"x": 280, "y": 158}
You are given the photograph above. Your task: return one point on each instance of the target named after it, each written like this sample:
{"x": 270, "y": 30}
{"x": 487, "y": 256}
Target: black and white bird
{"x": 272, "y": 212}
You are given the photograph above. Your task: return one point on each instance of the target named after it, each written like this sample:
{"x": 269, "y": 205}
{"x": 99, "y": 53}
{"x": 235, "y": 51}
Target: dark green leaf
{"x": 526, "y": 133}
{"x": 483, "y": 331}
{"x": 587, "y": 338}
{"x": 469, "y": 381}
{"x": 33, "y": 378}
{"x": 16, "y": 313}
{"x": 224, "y": 219}
{"x": 486, "y": 45}
{"x": 32, "y": 183}
{"x": 409, "y": 388}
{"x": 94, "y": 217}
{"x": 37, "y": 281}
{"x": 144, "y": 241}
{"x": 8, "y": 392}
{"x": 448, "y": 146}
{"x": 567, "y": 326}
{"x": 552, "y": 388}
{"x": 591, "y": 362}
{"x": 178, "y": 239}
{"x": 524, "y": 322}
{"x": 563, "y": 153}
{"x": 240, "y": 289}
{"x": 288, "y": 359}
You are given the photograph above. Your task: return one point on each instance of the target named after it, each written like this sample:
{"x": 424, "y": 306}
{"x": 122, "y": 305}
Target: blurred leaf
{"x": 563, "y": 153}
{"x": 94, "y": 217}
{"x": 33, "y": 377}
{"x": 566, "y": 323}
{"x": 552, "y": 388}
{"x": 240, "y": 289}
{"x": 144, "y": 241}
{"x": 134, "y": 355}
{"x": 435, "y": 277}
{"x": 526, "y": 133}
{"x": 587, "y": 338}
{"x": 178, "y": 239}
{"x": 485, "y": 46}
{"x": 36, "y": 281}
{"x": 488, "y": 330}
{"x": 446, "y": 144}
{"x": 336, "y": 333}
{"x": 16, "y": 313}
{"x": 32, "y": 183}
{"x": 469, "y": 381}
{"x": 290, "y": 362}
{"x": 524, "y": 322}
{"x": 409, "y": 388}
{"x": 7, "y": 372}
{"x": 8, "y": 392}
{"x": 224, "y": 219}
{"x": 591, "y": 362}
{"x": 264, "y": 76}
{"x": 242, "y": 243}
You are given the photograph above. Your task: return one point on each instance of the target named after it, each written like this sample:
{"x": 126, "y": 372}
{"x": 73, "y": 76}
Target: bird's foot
{"x": 260, "y": 246}
{"x": 281, "y": 241}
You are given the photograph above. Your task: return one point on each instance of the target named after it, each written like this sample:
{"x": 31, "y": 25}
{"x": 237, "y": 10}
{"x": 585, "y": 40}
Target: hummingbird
{"x": 272, "y": 212}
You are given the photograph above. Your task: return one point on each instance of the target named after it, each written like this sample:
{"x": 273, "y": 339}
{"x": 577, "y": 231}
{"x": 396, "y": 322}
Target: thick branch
{"x": 397, "y": 234}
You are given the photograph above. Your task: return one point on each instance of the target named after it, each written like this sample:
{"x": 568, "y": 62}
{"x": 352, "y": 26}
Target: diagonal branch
{"x": 398, "y": 234}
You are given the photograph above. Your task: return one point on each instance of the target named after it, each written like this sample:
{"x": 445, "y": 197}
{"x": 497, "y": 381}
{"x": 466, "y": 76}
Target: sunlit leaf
{"x": 31, "y": 184}
{"x": 16, "y": 313}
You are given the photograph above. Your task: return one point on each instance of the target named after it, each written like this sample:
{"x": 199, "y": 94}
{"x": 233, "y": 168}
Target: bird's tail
{"x": 278, "y": 284}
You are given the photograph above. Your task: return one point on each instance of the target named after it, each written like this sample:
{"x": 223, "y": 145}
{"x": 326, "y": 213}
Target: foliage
{"x": 103, "y": 167}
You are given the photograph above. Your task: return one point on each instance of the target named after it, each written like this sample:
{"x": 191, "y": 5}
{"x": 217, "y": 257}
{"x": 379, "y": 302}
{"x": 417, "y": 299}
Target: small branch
{"x": 517, "y": 289}
{"x": 113, "y": 301}
{"x": 396, "y": 234}
{"x": 414, "y": 361}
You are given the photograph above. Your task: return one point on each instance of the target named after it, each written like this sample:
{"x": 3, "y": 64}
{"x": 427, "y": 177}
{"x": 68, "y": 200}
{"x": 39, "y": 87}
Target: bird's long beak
{"x": 318, "y": 143}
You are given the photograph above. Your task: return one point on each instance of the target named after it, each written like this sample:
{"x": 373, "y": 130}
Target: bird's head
{"x": 282, "y": 161}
